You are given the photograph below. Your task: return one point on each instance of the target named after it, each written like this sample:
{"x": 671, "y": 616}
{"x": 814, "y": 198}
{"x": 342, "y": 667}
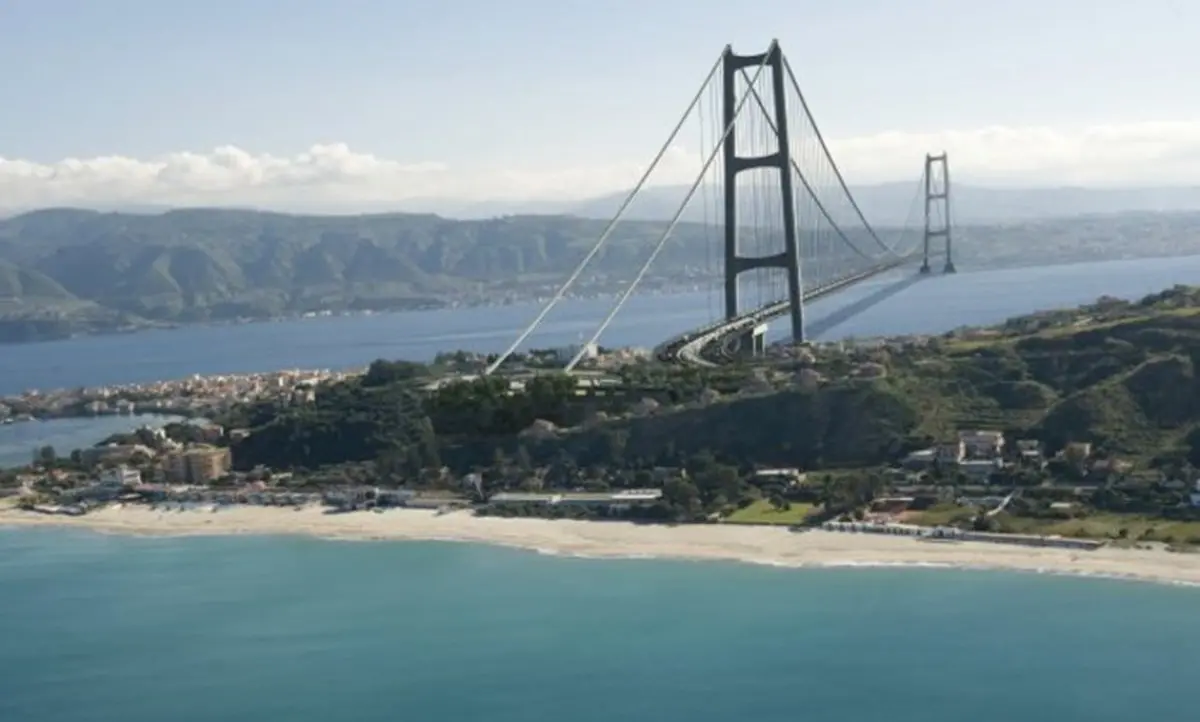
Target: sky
{"x": 345, "y": 103}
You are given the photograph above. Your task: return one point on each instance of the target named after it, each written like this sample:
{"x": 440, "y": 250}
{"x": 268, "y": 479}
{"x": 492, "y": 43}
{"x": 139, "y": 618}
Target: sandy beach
{"x": 761, "y": 545}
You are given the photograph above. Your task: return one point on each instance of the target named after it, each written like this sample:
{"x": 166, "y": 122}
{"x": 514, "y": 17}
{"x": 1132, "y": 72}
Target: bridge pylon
{"x": 937, "y": 208}
{"x": 789, "y": 258}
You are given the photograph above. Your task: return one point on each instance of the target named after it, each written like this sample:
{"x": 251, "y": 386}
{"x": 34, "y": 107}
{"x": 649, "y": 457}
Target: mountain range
{"x": 67, "y": 271}
{"x": 885, "y": 204}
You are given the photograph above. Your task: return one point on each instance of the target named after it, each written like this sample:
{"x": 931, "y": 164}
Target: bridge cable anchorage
{"x": 807, "y": 187}
{"x": 712, "y": 156}
{"x": 825, "y": 147}
{"x": 637, "y": 189}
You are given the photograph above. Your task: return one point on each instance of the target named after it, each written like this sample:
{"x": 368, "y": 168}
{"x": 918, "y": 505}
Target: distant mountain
{"x": 890, "y": 204}
{"x": 70, "y": 270}
{"x": 211, "y": 264}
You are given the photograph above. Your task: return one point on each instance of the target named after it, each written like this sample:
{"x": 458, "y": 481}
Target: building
{"x": 982, "y": 444}
{"x": 786, "y": 477}
{"x": 979, "y": 470}
{"x": 120, "y": 476}
{"x": 616, "y": 501}
{"x": 199, "y": 464}
{"x": 1196, "y": 495}
{"x": 116, "y": 453}
{"x": 951, "y": 453}
{"x": 1030, "y": 450}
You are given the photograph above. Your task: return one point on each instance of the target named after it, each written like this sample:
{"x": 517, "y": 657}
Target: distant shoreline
{"x": 616, "y": 540}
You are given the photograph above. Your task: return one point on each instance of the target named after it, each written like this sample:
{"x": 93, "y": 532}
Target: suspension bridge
{"x": 776, "y": 204}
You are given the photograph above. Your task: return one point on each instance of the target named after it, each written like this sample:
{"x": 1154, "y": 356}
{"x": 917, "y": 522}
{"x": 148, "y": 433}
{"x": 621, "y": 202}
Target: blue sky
{"x": 542, "y": 87}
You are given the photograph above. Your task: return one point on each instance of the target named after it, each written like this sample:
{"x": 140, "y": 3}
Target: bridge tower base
{"x": 750, "y": 344}
{"x": 937, "y": 208}
{"x": 789, "y": 258}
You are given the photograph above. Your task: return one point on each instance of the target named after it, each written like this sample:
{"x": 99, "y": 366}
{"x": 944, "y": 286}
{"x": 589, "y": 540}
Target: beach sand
{"x": 762, "y": 545}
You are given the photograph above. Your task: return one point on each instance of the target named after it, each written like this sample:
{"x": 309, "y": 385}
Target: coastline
{"x": 755, "y": 545}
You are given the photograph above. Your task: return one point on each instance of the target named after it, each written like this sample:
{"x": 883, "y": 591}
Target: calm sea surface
{"x": 102, "y": 628}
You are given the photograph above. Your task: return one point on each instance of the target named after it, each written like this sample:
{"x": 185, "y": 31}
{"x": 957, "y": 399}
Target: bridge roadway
{"x": 689, "y": 349}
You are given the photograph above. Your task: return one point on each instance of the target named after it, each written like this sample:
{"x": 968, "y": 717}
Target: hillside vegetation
{"x": 207, "y": 264}
{"x": 1119, "y": 375}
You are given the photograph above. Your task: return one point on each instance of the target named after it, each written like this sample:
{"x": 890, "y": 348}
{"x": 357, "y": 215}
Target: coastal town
{"x": 194, "y": 396}
{"x": 189, "y": 465}
{"x": 999, "y": 435}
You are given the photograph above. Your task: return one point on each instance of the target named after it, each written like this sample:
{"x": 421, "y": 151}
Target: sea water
{"x": 264, "y": 629}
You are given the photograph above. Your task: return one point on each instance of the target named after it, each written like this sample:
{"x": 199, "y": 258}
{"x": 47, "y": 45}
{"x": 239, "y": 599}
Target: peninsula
{"x": 1066, "y": 441}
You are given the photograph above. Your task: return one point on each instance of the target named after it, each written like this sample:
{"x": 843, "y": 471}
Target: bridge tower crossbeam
{"x": 937, "y": 208}
{"x": 789, "y": 258}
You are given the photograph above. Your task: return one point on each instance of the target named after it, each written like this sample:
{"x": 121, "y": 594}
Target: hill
{"x": 65, "y": 271}
{"x": 210, "y": 264}
{"x": 1119, "y": 375}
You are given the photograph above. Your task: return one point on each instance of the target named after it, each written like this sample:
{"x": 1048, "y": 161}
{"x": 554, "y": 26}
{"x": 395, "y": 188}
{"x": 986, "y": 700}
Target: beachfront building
{"x": 120, "y": 476}
{"x": 198, "y": 464}
{"x": 615, "y": 501}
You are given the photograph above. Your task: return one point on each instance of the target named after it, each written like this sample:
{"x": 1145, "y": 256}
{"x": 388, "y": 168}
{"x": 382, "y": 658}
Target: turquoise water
{"x": 96, "y": 627}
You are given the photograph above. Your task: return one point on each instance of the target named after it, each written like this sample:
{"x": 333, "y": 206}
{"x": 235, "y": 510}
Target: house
{"x": 786, "y": 477}
{"x": 1029, "y": 450}
{"x": 981, "y": 444}
{"x": 1196, "y": 495}
{"x": 980, "y": 471}
{"x": 951, "y": 453}
{"x": 1076, "y": 452}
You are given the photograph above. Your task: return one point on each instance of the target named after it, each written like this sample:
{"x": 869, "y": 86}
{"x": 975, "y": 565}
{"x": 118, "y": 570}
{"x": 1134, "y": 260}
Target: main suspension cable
{"x": 674, "y": 220}
{"x": 562, "y": 291}
{"x": 837, "y": 172}
{"x": 808, "y": 188}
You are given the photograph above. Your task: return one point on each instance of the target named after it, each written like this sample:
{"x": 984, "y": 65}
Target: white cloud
{"x": 333, "y": 176}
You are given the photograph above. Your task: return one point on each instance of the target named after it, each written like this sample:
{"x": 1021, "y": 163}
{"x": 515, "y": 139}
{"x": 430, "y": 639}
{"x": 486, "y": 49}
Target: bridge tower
{"x": 789, "y": 258}
{"x": 937, "y": 208}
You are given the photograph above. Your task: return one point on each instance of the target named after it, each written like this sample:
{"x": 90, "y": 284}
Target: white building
{"x": 982, "y": 444}
{"x": 120, "y": 476}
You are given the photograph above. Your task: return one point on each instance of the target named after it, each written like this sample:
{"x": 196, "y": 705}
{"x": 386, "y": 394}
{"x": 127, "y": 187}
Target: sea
{"x": 98, "y": 627}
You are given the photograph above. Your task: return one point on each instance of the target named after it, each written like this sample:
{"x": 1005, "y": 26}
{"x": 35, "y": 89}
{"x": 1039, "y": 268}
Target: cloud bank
{"x": 334, "y": 177}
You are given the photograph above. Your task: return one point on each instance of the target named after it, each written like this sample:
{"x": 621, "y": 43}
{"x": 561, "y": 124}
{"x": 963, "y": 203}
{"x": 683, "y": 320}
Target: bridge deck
{"x": 689, "y": 348}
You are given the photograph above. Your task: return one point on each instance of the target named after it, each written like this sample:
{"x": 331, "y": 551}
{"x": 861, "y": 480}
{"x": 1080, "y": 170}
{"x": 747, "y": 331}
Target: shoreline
{"x": 623, "y": 540}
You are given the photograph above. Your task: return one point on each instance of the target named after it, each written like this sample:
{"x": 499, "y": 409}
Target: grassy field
{"x": 1115, "y": 527}
{"x": 761, "y": 512}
